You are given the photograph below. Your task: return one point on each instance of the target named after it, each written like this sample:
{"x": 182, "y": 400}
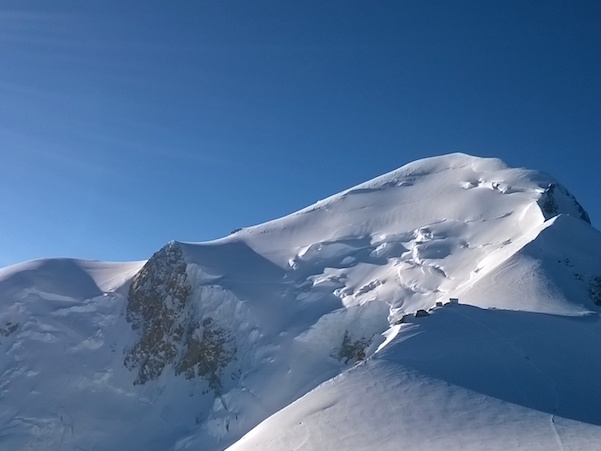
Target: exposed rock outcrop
{"x": 550, "y": 203}
{"x": 352, "y": 350}
{"x": 594, "y": 290}
{"x": 8, "y": 329}
{"x": 159, "y": 307}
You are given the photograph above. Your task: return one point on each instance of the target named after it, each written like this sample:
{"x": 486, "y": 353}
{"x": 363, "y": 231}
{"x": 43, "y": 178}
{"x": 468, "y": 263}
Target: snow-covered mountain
{"x": 450, "y": 304}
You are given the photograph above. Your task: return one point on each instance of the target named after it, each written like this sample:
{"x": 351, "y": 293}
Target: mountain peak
{"x": 196, "y": 346}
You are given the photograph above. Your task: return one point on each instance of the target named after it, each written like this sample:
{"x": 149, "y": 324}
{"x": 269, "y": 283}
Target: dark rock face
{"x": 209, "y": 349}
{"x": 352, "y": 350}
{"x": 156, "y": 299}
{"x": 159, "y": 307}
{"x": 8, "y": 329}
{"x": 594, "y": 290}
{"x": 549, "y": 206}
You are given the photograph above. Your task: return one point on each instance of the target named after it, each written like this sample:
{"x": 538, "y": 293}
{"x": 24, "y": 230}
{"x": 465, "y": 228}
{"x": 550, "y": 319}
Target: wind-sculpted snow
{"x": 332, "y": 327}
{"x": 553, "y": 272}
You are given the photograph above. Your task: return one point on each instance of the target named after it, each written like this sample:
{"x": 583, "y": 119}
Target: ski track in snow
{"x": 556, "y": 433}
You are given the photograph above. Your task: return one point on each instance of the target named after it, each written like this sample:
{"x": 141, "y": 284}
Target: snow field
{"x": 320, "y": 307}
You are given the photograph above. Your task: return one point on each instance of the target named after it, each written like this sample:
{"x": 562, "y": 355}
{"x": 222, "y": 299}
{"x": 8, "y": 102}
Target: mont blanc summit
{"x": 450, "y": 304}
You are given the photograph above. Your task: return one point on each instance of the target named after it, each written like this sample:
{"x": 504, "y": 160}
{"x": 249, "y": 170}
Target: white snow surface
{"x": 462, "y": 378}
{"x": 321, "y": 306}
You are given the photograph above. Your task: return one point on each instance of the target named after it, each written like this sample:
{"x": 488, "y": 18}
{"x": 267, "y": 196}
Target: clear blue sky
{"x": 127, "y": 124}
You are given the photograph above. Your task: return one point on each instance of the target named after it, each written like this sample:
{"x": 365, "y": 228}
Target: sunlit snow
{"x": 341, "y": 323}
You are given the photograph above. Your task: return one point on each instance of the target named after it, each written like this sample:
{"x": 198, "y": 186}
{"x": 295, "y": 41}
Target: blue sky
{"x": 124, "y": 125}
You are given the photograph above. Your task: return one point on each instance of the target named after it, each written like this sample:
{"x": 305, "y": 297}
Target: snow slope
{"x": 305, "y": 325}
{"x": 462, "y": 378}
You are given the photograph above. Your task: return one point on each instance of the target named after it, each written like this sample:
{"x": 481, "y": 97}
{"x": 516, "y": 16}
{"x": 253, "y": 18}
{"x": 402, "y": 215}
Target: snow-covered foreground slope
{"x": 313, "y": 313}
{"x": 462, "y": 378}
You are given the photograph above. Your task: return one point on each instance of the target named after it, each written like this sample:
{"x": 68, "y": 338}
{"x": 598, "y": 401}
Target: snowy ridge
{"x": 463, "y": 378}
{"x": 314, "y": 322}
